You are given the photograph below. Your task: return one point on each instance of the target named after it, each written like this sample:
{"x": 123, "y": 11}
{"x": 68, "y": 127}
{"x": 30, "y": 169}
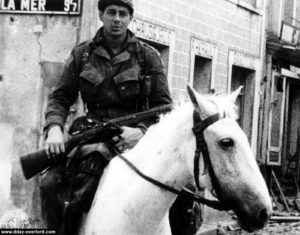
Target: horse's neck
{"x": 161, "y": 154}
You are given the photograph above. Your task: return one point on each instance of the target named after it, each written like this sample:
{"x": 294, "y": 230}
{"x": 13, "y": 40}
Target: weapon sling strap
{"x": 145, "y": 73}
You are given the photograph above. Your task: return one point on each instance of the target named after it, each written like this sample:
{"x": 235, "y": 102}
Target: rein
{"x": 201, "y": 146}
{"x": 186, "y": 192}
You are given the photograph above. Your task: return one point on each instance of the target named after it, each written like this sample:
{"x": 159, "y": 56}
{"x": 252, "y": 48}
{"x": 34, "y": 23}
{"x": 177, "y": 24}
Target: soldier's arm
{"x": 64, "y": 95}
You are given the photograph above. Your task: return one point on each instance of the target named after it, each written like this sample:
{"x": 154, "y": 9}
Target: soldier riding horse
{"x": 201, "y": 144}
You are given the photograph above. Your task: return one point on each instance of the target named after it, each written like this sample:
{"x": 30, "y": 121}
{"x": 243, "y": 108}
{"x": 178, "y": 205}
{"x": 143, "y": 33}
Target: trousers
{"x": 185, "y": 215}
{"x": 67, "y": 193}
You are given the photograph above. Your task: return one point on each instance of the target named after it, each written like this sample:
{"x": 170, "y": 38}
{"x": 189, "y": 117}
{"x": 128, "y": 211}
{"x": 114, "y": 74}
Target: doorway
{"x": 291, "y": 137}
{"x": 245, "y": 102}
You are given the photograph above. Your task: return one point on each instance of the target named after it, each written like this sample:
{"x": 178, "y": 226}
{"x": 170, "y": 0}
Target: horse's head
{"x": 233, "y": 170}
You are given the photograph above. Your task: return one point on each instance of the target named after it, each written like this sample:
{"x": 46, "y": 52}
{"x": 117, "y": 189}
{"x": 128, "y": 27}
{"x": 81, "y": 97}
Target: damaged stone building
{"x": 279, "y": 129}
{"x": 282, "y": 81}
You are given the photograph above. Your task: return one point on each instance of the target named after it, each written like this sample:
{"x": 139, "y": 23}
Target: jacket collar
{"x": 131, "y": 44}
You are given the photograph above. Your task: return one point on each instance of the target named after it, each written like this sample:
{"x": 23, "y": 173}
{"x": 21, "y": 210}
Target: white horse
{"x": 125, "y": 203}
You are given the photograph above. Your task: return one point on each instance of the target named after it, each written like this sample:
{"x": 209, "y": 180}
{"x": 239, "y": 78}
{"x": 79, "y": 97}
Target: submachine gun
{"x": 92, "y": 132}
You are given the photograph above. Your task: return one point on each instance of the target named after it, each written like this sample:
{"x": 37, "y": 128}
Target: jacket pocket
{"x": 128, "y": 83}
{"x": 90, "y": 79}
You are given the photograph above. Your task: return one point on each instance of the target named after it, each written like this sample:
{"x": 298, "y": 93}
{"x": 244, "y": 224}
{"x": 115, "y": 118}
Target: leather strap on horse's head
{"x": 201, "y": 147}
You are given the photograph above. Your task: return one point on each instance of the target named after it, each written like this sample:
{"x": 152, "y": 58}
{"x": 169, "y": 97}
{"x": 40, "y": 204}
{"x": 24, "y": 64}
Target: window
{"x": 203, "y": 63}
{"x": 202, "y": 75}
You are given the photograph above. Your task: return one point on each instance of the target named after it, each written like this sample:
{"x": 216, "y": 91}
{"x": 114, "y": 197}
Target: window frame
{"x": 210, "y": 51}
{"x": 257, "y": 9}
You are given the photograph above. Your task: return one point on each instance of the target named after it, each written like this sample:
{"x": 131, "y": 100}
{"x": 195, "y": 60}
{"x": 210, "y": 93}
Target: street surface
{"x": 273, "y": 229}
{"x": 231, "y": 228}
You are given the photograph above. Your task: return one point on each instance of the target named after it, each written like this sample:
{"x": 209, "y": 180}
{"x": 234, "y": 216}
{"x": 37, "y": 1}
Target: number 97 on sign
{"x": 70, "y": 6}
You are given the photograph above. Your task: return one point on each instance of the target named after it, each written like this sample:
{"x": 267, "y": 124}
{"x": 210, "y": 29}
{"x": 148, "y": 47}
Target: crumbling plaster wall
{"x": 26, "y": 43}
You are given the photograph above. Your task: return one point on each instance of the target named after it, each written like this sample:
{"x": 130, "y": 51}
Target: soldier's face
{"x": 115, "y": 20}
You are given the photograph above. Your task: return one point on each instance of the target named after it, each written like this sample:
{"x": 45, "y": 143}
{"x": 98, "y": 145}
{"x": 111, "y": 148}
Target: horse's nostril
{"x": 264, "y": 215}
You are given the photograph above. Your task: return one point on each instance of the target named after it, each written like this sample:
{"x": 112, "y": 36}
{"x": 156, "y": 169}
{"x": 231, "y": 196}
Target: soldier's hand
{"x": 55, "y": 142}
{"x": 128, "y": 139}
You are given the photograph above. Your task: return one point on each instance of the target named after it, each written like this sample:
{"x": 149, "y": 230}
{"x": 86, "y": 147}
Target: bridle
{"x": 201, "y": 147}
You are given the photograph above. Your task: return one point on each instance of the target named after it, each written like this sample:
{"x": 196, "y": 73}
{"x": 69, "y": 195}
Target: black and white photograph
{"x": 150, "y": 117}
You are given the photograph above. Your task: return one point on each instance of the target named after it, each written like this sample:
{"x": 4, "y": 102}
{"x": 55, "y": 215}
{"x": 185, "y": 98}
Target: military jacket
{"x": 109, "y": 84}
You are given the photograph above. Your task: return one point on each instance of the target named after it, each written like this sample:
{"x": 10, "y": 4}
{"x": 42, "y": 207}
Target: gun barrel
{"x": 38, "y": 161}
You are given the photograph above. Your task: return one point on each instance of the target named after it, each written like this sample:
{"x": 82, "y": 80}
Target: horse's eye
{"x": 226, "y": 143}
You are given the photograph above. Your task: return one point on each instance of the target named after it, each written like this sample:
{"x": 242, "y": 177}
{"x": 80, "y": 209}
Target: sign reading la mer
{"x": 65, "y": 7}
{"x": 151, "y": 32}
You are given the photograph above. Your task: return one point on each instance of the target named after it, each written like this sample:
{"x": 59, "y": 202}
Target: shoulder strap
{"x": 145, "y": 80}
{"x": 86, "y": 52}
{"x": 83, "y": 58}
{"x": 141, "y": 57}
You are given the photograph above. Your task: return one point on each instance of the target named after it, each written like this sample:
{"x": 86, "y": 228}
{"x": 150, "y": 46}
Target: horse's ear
{"x": 233, "y": 96}
{"x": 192, "y": 94}
{"x": 200, "y": 104}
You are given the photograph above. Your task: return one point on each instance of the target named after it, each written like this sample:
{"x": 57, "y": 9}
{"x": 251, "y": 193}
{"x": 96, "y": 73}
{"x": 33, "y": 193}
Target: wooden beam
{"x": 285, "y": 218}
{"x": 297, "y": 186}
{"x": 275, "y": 199}
{"x": 281, "y": 192}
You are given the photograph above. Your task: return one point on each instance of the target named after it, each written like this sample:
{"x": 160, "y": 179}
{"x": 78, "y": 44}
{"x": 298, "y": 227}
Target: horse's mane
{"x": 169, "y": 123}
{"x": 224, "y": 105}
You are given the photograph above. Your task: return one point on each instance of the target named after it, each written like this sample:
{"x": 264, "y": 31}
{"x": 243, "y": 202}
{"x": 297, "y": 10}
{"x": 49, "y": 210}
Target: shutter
{"x": 276, "y": 119}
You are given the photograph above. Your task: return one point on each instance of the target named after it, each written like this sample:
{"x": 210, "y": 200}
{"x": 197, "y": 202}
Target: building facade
{"x": 215, "y": 46}
{"x": 280, "y": 126}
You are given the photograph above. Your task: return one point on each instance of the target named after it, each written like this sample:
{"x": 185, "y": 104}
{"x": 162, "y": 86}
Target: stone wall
{"x": 219, "y": 22}
{"x": 33, "y": 49}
